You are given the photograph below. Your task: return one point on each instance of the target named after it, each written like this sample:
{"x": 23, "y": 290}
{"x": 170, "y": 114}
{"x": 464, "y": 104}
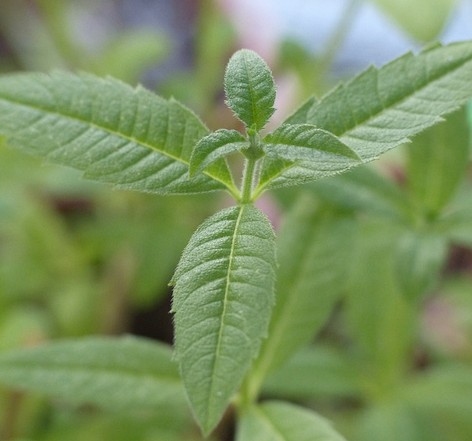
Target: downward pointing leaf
{"x": 223, "y": 296}
{"x": 279, "y": 421}
{"x": 250, "y": 89}
{"x": 117, "y": 134}
{"x": 382, "y": 108}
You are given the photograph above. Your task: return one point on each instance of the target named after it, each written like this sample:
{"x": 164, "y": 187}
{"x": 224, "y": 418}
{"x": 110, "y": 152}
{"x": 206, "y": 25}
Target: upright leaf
{"x": 114, "y": 133}
{"x": 223, "y": 297}
{"x": 250, "y": 89}
{"x": 420, "y": 256}
{"x": 437, "y": 161}
{"x": 123, "y": 374}
{"x": 383, "y": 108}
{"x": 279, "y": 421}
{"x": 313, "y": 248}
{"x": 379, "y": 317}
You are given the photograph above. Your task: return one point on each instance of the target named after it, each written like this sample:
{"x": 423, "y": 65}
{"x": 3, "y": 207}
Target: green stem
{"x": 248, "y": 181}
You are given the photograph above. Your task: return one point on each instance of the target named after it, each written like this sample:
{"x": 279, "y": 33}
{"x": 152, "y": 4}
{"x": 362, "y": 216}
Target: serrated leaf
{"x": 437, "y": 161}
{"x": 382, "y": 108}
{"x": 114, "y": 133}
{"x": 223, "y": 297}
{"x": 280, "y": 421}
{"x": 121, "y": 374}
{"x": 215, "y": 146}
{"x": 305, "y": 142}
{"x": 313, "y": 257}
{"x": 250, "y": 89}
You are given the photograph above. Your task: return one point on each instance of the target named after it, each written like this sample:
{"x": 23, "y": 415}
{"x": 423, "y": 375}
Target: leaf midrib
{"x": 167, "y": 378}
{"x": 225, "y": 306}
{"x": 110, "y": 132}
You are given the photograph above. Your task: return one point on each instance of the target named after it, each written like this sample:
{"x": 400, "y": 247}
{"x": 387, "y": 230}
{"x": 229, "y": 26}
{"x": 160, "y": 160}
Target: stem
{"x": 248, "y": 181}
{"x": 252, "y": 154}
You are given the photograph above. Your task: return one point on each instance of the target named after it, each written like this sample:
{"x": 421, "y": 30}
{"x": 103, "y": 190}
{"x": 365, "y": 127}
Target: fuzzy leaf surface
{"x": 250, "y": 88}
{"x": 279, "y": 421}
{"x": 215, "y": 146}
{"x": 313, "y": 256}
{"x": 383, "y": 108}
{"x": 128, "y": 137}
{"x": 223, "y": 297}
{"x": 305, "y": 142}
{"x": 121, "y": 374}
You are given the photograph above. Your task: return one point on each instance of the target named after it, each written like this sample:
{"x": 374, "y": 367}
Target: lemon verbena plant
{"x": 232, "y": 326}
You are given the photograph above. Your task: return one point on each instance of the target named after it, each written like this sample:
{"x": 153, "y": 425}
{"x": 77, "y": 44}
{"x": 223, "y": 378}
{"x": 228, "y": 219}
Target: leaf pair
{"x": 250, "y": 92}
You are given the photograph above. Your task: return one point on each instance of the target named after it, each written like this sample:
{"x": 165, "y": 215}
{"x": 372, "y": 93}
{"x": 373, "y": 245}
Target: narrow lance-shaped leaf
{"x": 279, "y": 421}
{"x": 128, "y": 137}
{"x": 122, "y": 374}
{"x": 215, "y": 146}
{"x": 250, "y": 89}
{"x": 382, "y": 108}
{"x": 223, "y": 297}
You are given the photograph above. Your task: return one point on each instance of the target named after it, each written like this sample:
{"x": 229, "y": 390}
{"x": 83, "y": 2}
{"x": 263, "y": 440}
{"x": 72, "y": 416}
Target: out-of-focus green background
{"x": 79, "y": 258}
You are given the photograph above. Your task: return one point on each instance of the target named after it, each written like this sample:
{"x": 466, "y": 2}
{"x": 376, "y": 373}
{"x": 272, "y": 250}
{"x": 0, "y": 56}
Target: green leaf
{"x": 418, "y": 262}
{"x": 279, "y": 421}
{"x": 250, "y": 89}
{"x": 213, "y": 147}
{"x": 312, "y": 262}
{"x": 121, "y": 374}
{"x": 365, "y": 190}
{"x": 391, "y": 421}
{"x": 315, "y": 372}
{"x": 382, "y": 108}
{"x": 422, "y": 19}
{"x": 378, "y": 315}
{"x": 437, "y": 161}
{"x": 223, "y": 297}
{"x": 114, "y": 133}
{"x": 306, "y": 142}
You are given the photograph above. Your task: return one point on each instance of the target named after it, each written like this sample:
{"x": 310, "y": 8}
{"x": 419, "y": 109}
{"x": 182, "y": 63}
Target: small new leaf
{"x": 223, "y": 298}
{"x": 305, "y": 142}
{"x": 215, "y": 146}
{"x": 250, "y": 89}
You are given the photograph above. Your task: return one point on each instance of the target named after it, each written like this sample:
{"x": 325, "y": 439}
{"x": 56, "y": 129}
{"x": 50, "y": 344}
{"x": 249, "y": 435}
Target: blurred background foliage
{"x": 392, "y": 357}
